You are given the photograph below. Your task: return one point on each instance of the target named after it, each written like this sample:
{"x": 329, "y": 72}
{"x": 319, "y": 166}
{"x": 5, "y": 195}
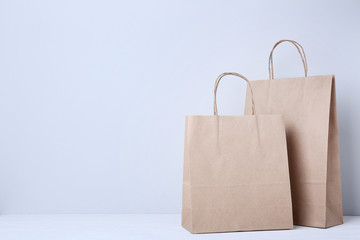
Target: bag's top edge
{"x": 330, "y": 75}
{"x": 233, "y": 116}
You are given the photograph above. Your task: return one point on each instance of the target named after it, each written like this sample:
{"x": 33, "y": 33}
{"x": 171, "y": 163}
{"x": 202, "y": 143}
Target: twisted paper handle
{"x": 300, "y": 50}
{"x": 234, "y": 74}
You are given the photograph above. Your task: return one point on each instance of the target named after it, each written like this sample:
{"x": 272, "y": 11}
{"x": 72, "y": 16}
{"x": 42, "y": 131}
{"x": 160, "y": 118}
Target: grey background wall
{"x": 93, "y": 94}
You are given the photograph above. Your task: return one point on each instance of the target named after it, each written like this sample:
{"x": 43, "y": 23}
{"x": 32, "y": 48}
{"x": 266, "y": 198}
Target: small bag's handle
{"x": 234, "y": 74}
{"x": 300, "y": 50}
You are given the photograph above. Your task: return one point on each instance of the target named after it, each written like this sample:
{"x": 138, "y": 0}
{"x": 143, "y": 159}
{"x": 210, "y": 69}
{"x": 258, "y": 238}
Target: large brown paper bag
{"x": 236, "y": 175}
{"x": 308, "y": 105}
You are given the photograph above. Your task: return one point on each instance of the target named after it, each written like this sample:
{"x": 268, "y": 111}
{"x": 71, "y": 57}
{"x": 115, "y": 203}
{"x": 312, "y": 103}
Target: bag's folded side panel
{"x": 186, "y": 215}
{"x": 334, "y": 212}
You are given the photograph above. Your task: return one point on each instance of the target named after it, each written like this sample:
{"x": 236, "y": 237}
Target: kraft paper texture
{"x": 308, "y": 106}
{"x": 236, "y": 174}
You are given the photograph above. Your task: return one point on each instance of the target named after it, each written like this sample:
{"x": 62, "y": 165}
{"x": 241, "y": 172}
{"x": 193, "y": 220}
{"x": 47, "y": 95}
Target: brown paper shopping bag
{"x": 236, "y": 175}
{"x": 308, "y": 105}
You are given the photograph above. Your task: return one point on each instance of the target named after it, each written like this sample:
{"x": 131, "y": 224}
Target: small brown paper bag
{"x": 236, "y": 175}
{"x": 308, "y": 105}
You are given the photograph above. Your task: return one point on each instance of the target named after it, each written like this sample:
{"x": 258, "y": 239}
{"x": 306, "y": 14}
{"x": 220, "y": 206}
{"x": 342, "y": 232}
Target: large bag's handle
{"x": 234, "y": 74}
{"x": 300, "y": 50}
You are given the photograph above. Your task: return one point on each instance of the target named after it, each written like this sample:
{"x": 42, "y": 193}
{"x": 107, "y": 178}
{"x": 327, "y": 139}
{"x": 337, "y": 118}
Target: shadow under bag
{"x": 308, "y": 105}
{"x": 236, "y": 175}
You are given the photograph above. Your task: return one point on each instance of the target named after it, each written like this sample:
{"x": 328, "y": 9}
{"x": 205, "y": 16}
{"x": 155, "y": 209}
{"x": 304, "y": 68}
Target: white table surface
{"x": 147, "y": 226}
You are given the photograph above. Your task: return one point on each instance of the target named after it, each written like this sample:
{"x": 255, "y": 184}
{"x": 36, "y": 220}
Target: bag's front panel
{"x": 239, "y": 173}
{"x": 305, "y": 104}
